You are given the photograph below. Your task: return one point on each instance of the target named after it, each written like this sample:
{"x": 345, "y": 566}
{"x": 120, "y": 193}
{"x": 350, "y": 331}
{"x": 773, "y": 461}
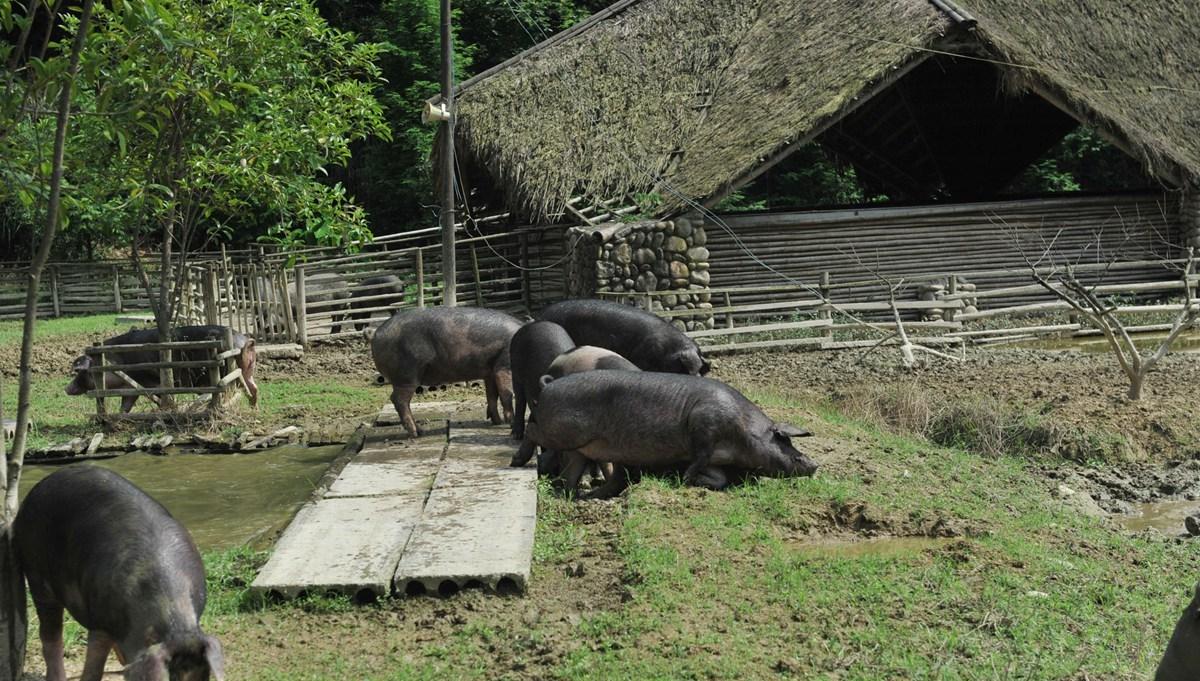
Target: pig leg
{"x": 518, "y": 419}
{"x": 615, "y": 482}
{"x": 576, "y": 463}
{"x": 493, "y": 414}
{"x": 549, "y": 463}
{"x": 50, "y": 631}
{"x": 127, "y": 403}
{"x": 711, "y": 477}
{"x": 504, "y": 386}
{"x": 99, "y": 645}
{"x": 523, "y": 455}
{"x": 247, "y": 360}
{"x": 401, "y": 399}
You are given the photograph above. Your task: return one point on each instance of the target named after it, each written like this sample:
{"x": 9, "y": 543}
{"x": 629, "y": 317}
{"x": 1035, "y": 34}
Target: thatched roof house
{"x": 691, "y": 99}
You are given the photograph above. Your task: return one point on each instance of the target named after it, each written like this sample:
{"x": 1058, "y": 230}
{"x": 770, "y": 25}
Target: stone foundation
{"x": 660, "y": 265}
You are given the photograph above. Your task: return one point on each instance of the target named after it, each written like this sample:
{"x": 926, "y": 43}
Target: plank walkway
{"x": 431, "y": 515}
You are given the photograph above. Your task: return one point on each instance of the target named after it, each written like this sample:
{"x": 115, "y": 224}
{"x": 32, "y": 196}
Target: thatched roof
{"x": 702, "y": 92}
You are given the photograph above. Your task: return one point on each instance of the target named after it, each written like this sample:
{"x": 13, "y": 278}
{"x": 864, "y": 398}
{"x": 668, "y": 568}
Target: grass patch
{"x": 10, "y": 330}
{"x": 983, "y": 425}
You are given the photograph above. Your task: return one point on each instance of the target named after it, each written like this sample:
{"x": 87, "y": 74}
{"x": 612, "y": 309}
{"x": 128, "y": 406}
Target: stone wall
{"x": 637, "y": 258}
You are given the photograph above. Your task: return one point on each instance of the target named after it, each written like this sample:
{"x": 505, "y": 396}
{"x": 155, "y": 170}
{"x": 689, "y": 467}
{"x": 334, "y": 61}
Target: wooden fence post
{"x": 728, "y": 310}
{"x": 285, "y": 305}
{"x": 214, "y": 371}
{"x": 301, "y": 308}
{"x": 949, "y": 312}
{"x": 475, "y": 272}
{"x": 117, "y": 289}
{"x": 526, "y": 286}
{"x": 209, "y": 283}
{"x": 826, "y": 312}
{"x": 420, "y": 278}
{"x": 54, "y": 299}
{"x": 97, "y": 369}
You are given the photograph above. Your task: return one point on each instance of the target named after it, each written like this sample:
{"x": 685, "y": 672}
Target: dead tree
{"x": 1083, "y": 299}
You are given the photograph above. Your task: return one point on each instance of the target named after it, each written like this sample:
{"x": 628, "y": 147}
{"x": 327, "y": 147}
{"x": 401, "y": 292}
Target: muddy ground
{"x": 1144, "y": 450}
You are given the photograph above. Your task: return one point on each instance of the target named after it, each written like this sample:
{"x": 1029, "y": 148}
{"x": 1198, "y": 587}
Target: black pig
{"x": 82, "y": 383}
{"x": 440, "y": 345}
{"x": 655, "y": 420}
{"x": 640, "y": 337}
{"x": 92, "y": 543}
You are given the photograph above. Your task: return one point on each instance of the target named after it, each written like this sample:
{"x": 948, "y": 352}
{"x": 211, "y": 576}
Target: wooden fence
{"x": 205, "y": 368}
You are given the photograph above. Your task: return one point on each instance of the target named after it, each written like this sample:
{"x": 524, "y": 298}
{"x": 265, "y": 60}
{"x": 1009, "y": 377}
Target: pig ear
{"x": 215, "y": 657}
{"x": 150, "y": 665}
{"x": 545, "y": 380}
{"x": 788, "y": 430}
{"x": 81, "y": 363}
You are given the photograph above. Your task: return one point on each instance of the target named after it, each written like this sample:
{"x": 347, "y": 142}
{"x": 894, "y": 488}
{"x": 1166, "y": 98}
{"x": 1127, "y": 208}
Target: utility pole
{"x": 449, "y": 264}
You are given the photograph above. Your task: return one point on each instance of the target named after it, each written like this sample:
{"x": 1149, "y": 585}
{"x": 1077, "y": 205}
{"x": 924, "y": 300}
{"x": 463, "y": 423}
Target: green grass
{"x": 10, "y": 331}
{"x": 730, "y": 585}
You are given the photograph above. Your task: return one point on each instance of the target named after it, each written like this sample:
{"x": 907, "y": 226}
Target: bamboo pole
{"x": 475, "y": 273}
{"x": 301, "y": 309}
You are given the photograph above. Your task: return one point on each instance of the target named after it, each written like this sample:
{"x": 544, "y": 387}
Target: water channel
{"x": 225, "y": 500}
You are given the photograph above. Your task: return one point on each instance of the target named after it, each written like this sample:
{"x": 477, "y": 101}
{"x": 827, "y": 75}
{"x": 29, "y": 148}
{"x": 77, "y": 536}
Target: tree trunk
{"x": 1135, "y": 386}
{"x": 13, "y": 619}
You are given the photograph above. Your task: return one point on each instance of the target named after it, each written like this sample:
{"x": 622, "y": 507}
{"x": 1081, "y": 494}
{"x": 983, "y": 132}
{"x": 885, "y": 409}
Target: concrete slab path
{"x": 409, "y": 516}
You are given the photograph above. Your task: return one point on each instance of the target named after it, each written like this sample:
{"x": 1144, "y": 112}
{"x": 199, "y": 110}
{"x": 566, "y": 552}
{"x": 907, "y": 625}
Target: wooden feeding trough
{"x": 205, "y": 368}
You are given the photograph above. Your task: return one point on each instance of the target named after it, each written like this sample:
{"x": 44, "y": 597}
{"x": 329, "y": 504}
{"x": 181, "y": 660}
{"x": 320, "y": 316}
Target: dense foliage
{"x": 392, "y": 179}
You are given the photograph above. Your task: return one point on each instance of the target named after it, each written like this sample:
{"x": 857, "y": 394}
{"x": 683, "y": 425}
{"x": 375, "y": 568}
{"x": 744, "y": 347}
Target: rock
{"x": 638, "y": 239}
{"x": 1037, "y": 594}
{"x": 656, "y": 306}
{"x": 657, "y": 239}
{"x": 698, "y": 254}
{"x": 678, "y": 283}
{"x": 623, "y": 253}
{"x": 628, "y": 284}
{"x": 692, "y": 326}
{"x": 662, "y": 226}
{"x": 683, "y": 228}
{"x": 576, "y": 570}
{"x": 1192, "y": 523}
{"x": 710, "y": 323}
{"x": 700, "y": 265}
{"x": 646, "y": 282}
{"x": 662, "y": 267}
{"x": 604, "y": 270}
{"x": 670, "y": 300}
{"x": 675, "y": 245}
{"x": 679, "y": 325}
{"x": 699, "y": 277}
{"x": 1063, "y": 492}
{"x": 679, "y": 271}
{"x": 643, "y": 256}
{"x": 699, "y": 238}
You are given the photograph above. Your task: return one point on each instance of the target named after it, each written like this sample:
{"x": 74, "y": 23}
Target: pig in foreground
{"x": 643, "y": 338}
{"x": 83, "y": 383}
{"x": 533, "y": 348}
{"x": 572, "y": 361}
{"x": 372, "y": 287}
{"x": 436, "y": 346}
{"x": 92, "y": 543}
{"x": 1181, "y": 662}
{"x": 655, "y": 420}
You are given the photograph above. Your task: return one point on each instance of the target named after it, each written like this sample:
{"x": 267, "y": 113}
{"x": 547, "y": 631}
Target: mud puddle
{"x": 225, "y": 500}
{"x": 1164, "y": 516}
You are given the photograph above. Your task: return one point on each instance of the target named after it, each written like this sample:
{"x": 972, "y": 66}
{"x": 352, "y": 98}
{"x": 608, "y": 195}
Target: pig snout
{"x": 75, "y": 387}
{"x": 1182, "y": 658}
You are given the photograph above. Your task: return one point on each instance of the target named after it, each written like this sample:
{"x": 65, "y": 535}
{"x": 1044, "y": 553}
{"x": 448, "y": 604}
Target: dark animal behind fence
{"x": 246, "y": 360}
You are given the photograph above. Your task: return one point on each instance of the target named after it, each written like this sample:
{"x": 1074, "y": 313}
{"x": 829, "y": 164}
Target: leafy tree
{"x": 391, "y": 178}
{"x": 206, "y": 118}
{"x": 1081, "y": 161}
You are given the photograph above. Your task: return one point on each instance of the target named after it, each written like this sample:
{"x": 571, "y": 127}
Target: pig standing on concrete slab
{"x": 533, "y": 348}
{"x": 92, "y": 543}
{"x": 640, "y": 337}
{"x": 149, "y": 378}
{"x": 381, "y": 285}
{"x": 439, "y": 345}
{"x": 649, "y": 419}
{"x": 1181, "y": 662}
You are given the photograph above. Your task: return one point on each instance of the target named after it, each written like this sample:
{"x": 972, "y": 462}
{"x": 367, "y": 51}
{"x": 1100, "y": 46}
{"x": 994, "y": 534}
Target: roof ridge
{"x": 956, "y": 13}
